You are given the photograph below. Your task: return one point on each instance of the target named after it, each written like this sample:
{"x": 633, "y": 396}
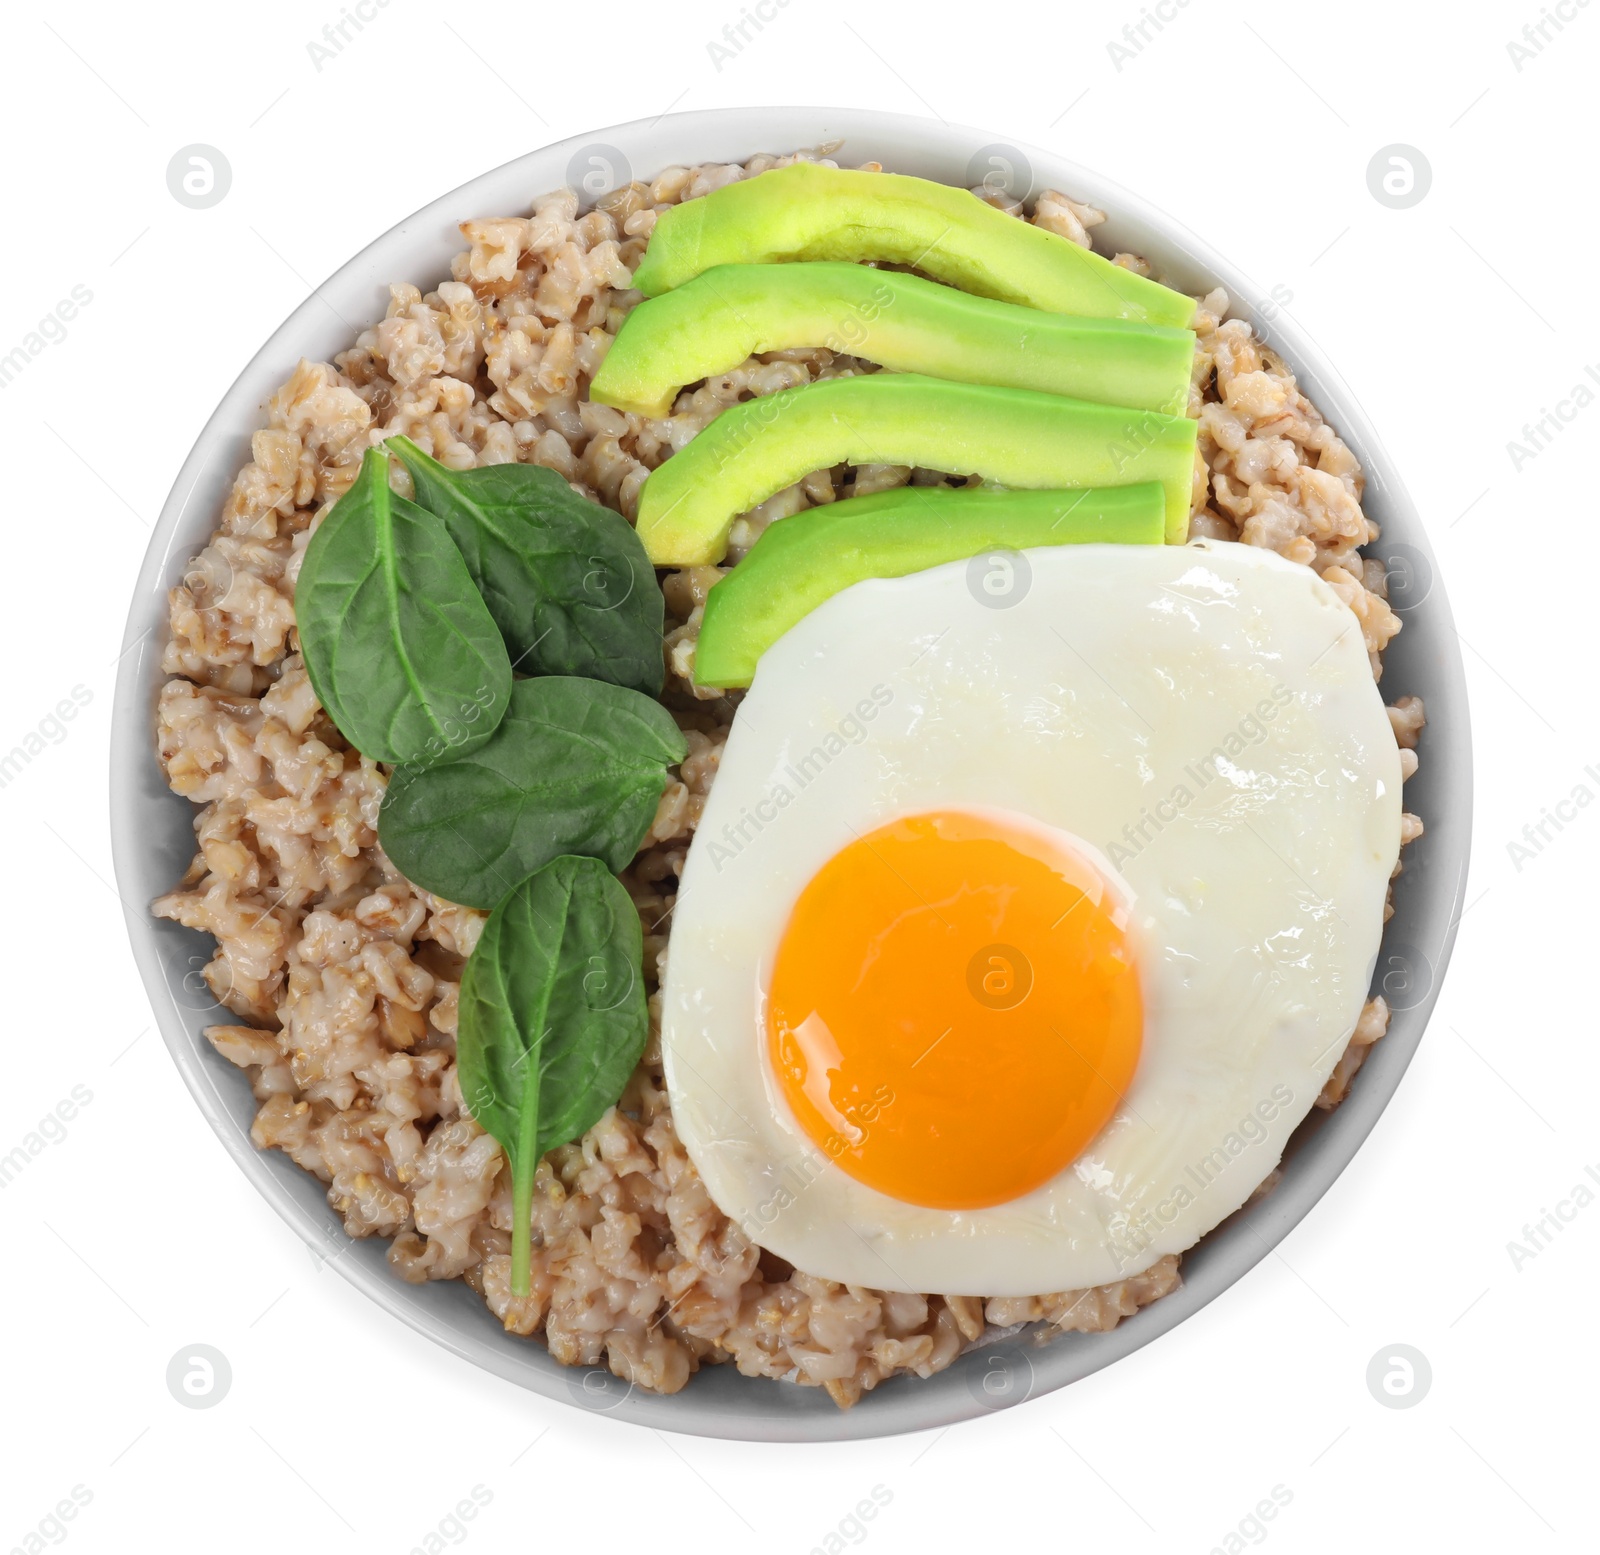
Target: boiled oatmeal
{"x": 344, "y": 977}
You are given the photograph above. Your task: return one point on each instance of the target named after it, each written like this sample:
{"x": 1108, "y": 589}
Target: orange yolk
{"x": 954, "y": 1010}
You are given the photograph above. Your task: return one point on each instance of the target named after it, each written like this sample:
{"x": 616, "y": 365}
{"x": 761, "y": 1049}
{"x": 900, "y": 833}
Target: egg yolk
{"x": 954, "y": 1010}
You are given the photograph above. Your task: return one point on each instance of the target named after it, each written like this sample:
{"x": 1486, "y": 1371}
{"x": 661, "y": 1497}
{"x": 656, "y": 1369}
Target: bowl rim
{"x": 718, "y": 1402}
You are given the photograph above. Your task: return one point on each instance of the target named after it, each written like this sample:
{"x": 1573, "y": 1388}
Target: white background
{"x": 1455, "y": 321}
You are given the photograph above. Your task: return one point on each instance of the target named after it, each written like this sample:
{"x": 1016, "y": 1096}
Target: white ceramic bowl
{"x": 153, "y": 838}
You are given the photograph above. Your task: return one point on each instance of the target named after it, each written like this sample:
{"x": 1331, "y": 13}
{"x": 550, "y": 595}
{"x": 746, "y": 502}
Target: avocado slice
{"x": 1010, "y": 437}
{"x": 807, "y": 211}
{"x": 731, "y": 312}
{"x": 801, "y": 561}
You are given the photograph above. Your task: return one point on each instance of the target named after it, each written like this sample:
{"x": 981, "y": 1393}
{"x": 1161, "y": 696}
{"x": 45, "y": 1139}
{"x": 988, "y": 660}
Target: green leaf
{"x": 567, "y": 581}
{"x": 553, "y": 1019}
{"x": 400, "y": 648}
{"x": 576, "y": 766}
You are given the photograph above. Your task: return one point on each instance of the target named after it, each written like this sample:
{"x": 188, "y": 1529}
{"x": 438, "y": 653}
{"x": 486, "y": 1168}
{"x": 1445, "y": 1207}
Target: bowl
{"x": 153, "y": 837}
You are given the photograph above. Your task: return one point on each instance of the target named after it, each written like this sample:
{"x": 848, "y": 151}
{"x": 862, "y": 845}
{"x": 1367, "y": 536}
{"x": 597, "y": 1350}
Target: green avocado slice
{"x": 806, "y": 211}
{"x": 801, "y": 561}
{"x": 731, "y": 312}
{"x": 1010, "y": 437}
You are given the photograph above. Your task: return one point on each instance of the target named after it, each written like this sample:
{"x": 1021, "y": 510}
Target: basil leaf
{"x": 553, "y": 1020}
{"x": 400, "y": 648}
{"x": 576, "y": 766}
{"x": 566, "y": 580}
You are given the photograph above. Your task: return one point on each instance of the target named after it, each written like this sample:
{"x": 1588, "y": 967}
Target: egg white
{"x": 1205, "y": 718}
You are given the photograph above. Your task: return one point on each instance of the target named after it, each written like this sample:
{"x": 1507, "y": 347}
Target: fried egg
{"x": 1023, "y": 925}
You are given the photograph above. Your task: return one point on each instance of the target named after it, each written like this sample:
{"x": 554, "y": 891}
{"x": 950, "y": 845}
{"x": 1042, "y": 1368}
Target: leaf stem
{"x": 523, "y": 1170}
